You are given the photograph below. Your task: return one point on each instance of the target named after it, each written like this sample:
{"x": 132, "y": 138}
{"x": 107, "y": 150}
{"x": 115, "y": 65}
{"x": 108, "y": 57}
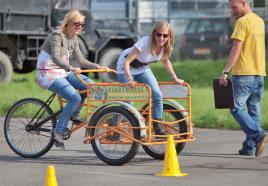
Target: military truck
{"x": 24, "y": 24}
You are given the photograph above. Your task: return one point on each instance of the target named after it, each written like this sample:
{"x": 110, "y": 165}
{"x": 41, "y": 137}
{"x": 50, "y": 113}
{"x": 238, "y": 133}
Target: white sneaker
{"x": 58, "y": 140}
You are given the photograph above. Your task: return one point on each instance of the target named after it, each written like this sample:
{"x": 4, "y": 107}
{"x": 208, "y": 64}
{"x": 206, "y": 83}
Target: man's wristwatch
{"x": 225, "y": 72}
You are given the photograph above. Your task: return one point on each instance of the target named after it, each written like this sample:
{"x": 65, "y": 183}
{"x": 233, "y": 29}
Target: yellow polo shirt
{"x": 250, "y": 30}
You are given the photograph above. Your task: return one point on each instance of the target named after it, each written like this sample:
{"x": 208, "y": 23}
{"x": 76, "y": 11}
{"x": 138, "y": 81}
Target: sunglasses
{"x": 160, "y": 35}
{"x": 79, "y": 24}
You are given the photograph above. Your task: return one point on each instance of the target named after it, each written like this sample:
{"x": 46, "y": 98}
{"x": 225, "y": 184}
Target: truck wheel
{"x": 28, "y": 66}
{"x": 6, "y": 69}
{"x": 109, "y": 59}
{"x": 83, "y": 48}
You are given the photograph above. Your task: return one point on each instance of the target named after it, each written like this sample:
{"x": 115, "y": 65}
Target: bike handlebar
{"x": 99, "y": 70}
{"x": 114, "y": 72}
{"x": 92, "y": 71}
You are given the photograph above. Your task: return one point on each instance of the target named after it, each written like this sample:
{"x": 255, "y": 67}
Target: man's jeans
{"x": 248, "y": 91}
{"x": 66, "y": 88}
{"x": 149, "y": 78}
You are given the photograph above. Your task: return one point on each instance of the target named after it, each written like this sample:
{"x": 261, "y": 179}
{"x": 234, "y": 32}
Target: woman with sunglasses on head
{"x": 55, "y": 73}
{"x": 133, "y": 65}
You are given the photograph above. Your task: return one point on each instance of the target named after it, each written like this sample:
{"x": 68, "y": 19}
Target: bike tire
{"x": 158, "y": 151}
{"x": 108, "y": 152}
{"x": 24, "y": 142}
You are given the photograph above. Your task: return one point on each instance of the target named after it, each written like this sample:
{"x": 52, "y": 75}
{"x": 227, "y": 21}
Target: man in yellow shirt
{"x": 246, "y": 62}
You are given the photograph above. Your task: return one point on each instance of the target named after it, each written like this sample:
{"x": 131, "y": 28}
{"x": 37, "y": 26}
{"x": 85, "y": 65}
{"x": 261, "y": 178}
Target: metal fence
{"x": 143, "y": 14}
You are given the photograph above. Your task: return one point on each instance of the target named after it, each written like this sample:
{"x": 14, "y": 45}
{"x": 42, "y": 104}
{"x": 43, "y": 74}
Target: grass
{"x": 199, "y": 73}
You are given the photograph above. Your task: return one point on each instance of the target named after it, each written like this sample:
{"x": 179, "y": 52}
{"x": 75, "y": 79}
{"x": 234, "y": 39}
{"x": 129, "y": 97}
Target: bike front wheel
{"x": 158, "y": 151}
{"x": 23, "y": 131}
{"x": 112, "y": 147}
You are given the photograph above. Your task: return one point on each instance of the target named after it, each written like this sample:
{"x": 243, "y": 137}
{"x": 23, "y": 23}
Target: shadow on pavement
{"x": 216, "y": 155}
{"x": 89, "y": 159}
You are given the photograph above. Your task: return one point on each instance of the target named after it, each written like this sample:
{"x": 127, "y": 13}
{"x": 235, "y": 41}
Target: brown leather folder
{"x": 223, "y": 96}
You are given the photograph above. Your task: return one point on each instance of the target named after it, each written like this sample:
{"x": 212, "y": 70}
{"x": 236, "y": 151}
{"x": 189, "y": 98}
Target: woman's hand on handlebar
{"x": 75, "y": 70}
{"x": 179, "y": 81}
{"x": 131, "y": 83}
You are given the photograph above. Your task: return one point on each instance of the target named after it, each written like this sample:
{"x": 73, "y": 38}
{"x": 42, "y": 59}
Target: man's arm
{"x": 233, "y": 56}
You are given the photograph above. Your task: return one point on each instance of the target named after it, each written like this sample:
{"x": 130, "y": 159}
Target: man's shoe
{"x": 58, "y": 141}
{"x": 246, "y": 152}
{"x": 260, "y": 145}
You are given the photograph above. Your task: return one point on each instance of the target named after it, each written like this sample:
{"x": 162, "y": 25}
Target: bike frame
{"x": 150, "y": 139}
{"x": 32, "y": 126}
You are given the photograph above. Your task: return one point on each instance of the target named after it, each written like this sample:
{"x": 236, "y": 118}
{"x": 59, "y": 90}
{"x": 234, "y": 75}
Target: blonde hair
{"x": 170, "y": 41}
{"x": 71, "y": 17}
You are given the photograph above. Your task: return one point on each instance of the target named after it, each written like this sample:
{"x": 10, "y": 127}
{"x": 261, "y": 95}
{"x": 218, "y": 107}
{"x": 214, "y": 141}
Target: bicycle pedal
{"x": 67, "y": 134}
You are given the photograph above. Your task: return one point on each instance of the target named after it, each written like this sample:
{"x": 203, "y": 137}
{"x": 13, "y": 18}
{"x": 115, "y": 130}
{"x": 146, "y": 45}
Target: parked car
{"x": 205, "y": 37}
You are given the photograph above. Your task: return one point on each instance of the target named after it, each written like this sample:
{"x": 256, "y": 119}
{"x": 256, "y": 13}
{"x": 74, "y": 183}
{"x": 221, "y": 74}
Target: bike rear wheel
{"x": 22, "y": 132}
{"x": 111, "y": 147}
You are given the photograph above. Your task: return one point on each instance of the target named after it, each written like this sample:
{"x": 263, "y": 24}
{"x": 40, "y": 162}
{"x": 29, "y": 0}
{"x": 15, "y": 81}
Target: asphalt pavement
{"x": 210, "y": 160}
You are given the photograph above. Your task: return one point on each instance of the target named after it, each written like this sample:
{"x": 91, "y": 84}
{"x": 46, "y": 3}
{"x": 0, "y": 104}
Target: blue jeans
{"x": 66, "y": 88}
{"x": 149, "y": 78}
{"x": 248, "y": 91}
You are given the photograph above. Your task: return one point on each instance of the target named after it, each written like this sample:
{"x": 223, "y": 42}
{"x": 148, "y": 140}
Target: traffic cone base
{"x": 51, "y": 177}
{"x": 179, "y": 174}
{"x": 171, "y": 163}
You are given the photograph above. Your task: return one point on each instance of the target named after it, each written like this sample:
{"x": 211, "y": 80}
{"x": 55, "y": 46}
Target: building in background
{"x": 144, "y": 13}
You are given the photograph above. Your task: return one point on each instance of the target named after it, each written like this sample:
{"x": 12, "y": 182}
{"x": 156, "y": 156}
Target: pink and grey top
{"x": 53, "y": 60}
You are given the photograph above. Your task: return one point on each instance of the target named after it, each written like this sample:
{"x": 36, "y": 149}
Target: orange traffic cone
{"x": 51, "y": 177}
{"x": 171, "y": 163}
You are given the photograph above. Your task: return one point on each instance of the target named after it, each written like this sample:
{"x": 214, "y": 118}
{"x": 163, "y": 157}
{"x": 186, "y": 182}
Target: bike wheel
{"x": 111, "y": 147}
{"x": 21, "y": 135}
{"x": 158, "y": 151}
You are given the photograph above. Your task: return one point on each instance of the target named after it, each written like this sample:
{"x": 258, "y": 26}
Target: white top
{"x": 48, "y": 71}
{"x": 145, "y": 56}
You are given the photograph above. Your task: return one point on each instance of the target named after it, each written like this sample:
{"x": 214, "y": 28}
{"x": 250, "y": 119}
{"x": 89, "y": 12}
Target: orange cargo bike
{"x": 118, "y": 119}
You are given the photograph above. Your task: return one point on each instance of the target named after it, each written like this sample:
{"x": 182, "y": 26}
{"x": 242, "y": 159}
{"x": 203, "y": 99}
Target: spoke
{"x": 113, "y": 150}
